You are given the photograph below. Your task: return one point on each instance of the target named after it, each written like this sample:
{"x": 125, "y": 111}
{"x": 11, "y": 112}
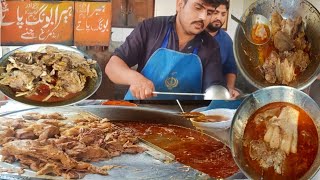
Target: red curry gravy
{"x": 190, "y": 147}
{"x": 258, "y": 39}
{"x": 295, "y": 164}
{"x": 43, "y": 91}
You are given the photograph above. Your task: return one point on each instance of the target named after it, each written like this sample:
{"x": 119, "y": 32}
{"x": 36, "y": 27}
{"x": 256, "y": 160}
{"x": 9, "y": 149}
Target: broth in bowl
{"x": 211, "y": 118}
{"x": 280, "y": 141}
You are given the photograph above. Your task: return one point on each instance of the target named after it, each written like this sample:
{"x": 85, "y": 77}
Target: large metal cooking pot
{"x": 246, "y": 54}
{"x": 148, "y": 168}
{"x": 259, "y": 99}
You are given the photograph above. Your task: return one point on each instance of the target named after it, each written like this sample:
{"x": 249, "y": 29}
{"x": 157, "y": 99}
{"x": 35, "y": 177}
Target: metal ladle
{"x": 247, "y": 26}
{"x": 215, "y": 92}
{"x": 188, "y": 114}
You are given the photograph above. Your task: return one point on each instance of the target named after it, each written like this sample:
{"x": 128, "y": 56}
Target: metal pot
{"x": 259, "y": 99}
{"x": 123, "y": 114}
{"x": 246, "y": 54}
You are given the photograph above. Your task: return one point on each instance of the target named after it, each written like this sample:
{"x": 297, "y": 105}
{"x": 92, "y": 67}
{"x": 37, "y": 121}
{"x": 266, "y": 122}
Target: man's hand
{"x": 119, "y": 73}
{"x": 233, "y": 93}
{"x": 141, "y": 87}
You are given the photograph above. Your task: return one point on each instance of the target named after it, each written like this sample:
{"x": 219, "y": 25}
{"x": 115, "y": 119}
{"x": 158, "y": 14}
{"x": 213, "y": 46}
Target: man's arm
{"x": 120, "y": 73}
{"x": 231, "y": 80}
{"x": 129, "y": 54}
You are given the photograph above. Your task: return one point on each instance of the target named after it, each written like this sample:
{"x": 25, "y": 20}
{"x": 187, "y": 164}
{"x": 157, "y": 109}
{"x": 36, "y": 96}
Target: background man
{"x": 219, "y": 17}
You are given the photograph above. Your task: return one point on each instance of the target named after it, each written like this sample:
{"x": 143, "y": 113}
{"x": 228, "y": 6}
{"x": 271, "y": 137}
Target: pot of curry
{"x": 291, "y": 56}
{"x": 275, "y": 135}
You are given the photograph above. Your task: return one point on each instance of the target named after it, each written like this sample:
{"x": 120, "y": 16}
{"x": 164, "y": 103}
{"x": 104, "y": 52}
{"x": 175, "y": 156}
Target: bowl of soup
{"x": 214, "y": 119}
{"x": 293, "y": 23}
{"x": 275, "y": 134}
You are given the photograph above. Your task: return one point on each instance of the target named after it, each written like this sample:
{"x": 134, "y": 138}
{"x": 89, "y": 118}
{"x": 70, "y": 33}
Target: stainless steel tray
{"x": 152, "y": 164}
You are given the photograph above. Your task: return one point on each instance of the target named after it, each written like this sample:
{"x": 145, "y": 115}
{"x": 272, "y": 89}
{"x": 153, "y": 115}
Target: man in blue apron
{"x": 226, "y": 45}
{"x": 173, "y": 54}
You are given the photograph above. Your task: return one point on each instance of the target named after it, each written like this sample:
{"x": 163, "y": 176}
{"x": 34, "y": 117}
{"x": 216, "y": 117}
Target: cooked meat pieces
{"x": 266, "y": 156}
{"x": 283, "y": 42}
{"x": 50, "y": 146}
{"x": 23, "y": 57}
{"x": 46, "y": 153}
{"x": 71, "y": 81}
{"x": 299, "y": 58}
{"x": 277, "y": 70}
{"x": 37, "y": 130}
{"x": 63, "y": 72}
{"x": 25, "y": 134}
{"x": 285, "y": 71}
{"x": 266, "y": 115}
{"x": 290, "y": 57}
{"x": 37, "y": 116}
{"x": 269, "y": 67}
{"x": 276, "y": 20}
{"x": 291, "y": 27}
{"x": 15, "y": 123}
{"x": 35, "y": 70}
{"x": 301, "y": 43}
{"x": 21, "y": 80}
{"x": 6, "y": 134}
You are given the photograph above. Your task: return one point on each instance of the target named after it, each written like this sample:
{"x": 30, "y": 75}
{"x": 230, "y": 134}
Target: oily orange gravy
{"x": 295, "y": 164}
{"x": 258, "y": 39}
{"x": 43, "y": 91}
{"x": 190, "y": 147}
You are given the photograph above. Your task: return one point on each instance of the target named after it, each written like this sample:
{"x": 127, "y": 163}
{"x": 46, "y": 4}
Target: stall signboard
{"x": 62, "y": 22}
{"x": 92, "y": 23}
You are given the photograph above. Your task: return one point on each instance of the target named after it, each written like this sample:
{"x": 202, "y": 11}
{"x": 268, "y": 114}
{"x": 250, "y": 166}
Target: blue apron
{"x": 173, "y": 71}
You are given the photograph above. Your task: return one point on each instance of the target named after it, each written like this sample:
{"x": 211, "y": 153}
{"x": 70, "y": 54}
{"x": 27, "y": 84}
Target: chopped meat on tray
{"x": 65, "y": 148}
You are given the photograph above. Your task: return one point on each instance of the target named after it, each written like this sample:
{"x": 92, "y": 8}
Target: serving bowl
{"x": 213, "y": 126}
{"x": 259, "y": 99}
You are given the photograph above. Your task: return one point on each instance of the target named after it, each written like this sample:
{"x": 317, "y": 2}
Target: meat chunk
{"x": 269, "y": 67}
{"x": 71, "y": 81}
{"x": 19, "y": 80}
{"x": 300, "y": 59}
{"x": 266, "y": 115}
{"x": 62, "y": 72}
{"x": 283, "y": 42}
{"x": 276, "y": 20}
{"x": 25, "y": 134}
{"x": 37, "y": 116}
{"x": 13, "y": 123}
{"x": 6, "y": 134}
{"x": 267, "y": 157}
{"x": 47, "y": 153}
{"x": 39, "y": 145}
{"x": 301, "y": 43}
{"x": 285, "y": 71}
{"x": 282, "y": 131}
{"x": 291, "y": 27}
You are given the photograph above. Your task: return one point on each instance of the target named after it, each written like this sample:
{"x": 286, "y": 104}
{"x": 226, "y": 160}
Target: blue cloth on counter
{"x": 230, "y": 104}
